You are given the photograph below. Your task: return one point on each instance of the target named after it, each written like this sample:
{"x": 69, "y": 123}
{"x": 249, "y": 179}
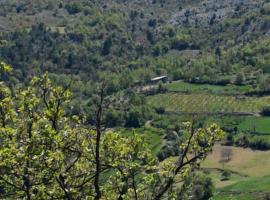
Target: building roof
{"x": 158, "y": 78}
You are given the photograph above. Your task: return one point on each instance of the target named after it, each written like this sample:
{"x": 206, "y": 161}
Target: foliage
{"x": 225, "y": 175}
{"x": 253, "y": 141}
{"x": 73, "y": 8}
{"x": 76, "y": 41}
{"x": 265, "y": 111}
{"x": 47, "y": 154}
{"x": 198, "y": 187}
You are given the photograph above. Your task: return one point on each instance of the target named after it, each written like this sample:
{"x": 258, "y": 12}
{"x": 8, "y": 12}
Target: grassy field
{"x": 152, "y": 135}
{"x": 246, "y": 162}
{"x": 180, "y": 86}
{"x": 208, "y": 103}
{"x": 250, "y": 177}
{"x": 250, "y": 189}
{"x": 259, "y": 125}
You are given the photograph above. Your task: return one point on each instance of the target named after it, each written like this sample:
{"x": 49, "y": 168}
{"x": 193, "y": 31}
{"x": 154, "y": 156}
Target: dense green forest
{"x": 214, "y": 54}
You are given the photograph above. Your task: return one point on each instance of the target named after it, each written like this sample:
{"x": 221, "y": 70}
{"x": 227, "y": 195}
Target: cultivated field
{"x": 208, "y": 103}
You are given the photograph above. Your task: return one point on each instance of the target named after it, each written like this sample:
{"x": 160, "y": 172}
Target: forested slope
{"x": 135, "y": 40}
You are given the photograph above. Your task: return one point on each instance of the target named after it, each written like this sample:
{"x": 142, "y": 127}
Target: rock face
{"x": 208, "y": 12}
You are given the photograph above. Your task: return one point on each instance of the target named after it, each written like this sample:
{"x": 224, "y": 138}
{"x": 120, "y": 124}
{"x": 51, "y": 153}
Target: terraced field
{"x": 208, "y": 103}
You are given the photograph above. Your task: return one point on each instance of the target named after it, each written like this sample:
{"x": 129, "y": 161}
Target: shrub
{"x": 106, "y": 47}
{"x": 240, "y": 78}
{"x": 113, "y": 118}
{"x": 134, "y": 119}
{"x": 259, "y": 143}
{"x": 161, "y": 88}
{"x": 137, "y": 116}
{"x": 152, "y": 22}
{"x": 229, "y": 140}
{"x": 73, "y": 8}
{"x": 198, "y": 186}
{"x": 167, "y": 151}
{"x": 179, "y": 45}
{"x": 226, "y": 174}
{"x": 160, "y": 110}
{"x": 265, "y": 111}
{"x": 242, "y": 141}
{"x": 163, "y": 124}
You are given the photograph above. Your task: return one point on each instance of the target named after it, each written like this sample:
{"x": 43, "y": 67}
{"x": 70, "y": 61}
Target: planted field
{"x": 208, "y": 103}
{"x": 180, "y": 86}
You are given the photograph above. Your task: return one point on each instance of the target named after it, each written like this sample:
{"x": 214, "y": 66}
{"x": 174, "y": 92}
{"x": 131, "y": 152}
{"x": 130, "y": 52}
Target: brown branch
{"x": 134, "y": 187}
{"x": 98, "y": 138}
{"x": 63, "y": 186}
{"x": 178, "y": 166}
{"x": 3, "y": 117}
{"x": 11, "y": 184}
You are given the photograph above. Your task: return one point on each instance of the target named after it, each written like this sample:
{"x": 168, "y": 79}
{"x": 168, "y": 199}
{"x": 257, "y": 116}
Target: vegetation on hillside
{"x": 47, "y": 153}
{"x": 215, "y": 55}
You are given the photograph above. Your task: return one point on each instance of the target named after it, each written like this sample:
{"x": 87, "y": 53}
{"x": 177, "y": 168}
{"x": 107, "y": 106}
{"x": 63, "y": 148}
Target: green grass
{"x": 153, "y": 136}
{"x": 180, "y": 86}
{"x": 208, "y": 103}
{"x": 261, "y": 184}
{"x": 154, "y": 139}
{"x": 234, "y": 197}
{"x": 255, "y": 124}
{"x": 250, "y": 189}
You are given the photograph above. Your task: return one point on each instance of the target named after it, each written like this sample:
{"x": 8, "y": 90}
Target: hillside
{"x": 155, "y": 38}
{"x": 213, "y": 55}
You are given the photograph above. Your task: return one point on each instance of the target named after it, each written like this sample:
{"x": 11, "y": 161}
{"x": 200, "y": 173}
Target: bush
{"x": 242, "y": 141}
{"x": 177, "y": 74}
{"x": 198, "y": 186}
{"x": 152, "y": 22}
{"x": 229, "y": 140}
{"x": 73, "y": 8}
{"x": 106, "y": 47}
{"x": 240, "y": 78}
{"x": 226, "y": 174}
{"x": 254, "y": 142}
{"x": 134, "y": 119}
{"x": 162, "y": 123}
{"x": 180, "y": 45}
{"x": 137, "y": 116}
{"x": 167, "y": 151}
{"x": 222, "y": 81}
{"x": 259, "y": 143}
{"x": 113, "y": 118}
{"x": 160, "y": 110}
{"x": 161, "y": 88}
{"x": 265, "y": 111}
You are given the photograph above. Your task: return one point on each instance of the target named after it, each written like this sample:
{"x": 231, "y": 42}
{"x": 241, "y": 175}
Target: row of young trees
{"x": 47, "y": 154}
